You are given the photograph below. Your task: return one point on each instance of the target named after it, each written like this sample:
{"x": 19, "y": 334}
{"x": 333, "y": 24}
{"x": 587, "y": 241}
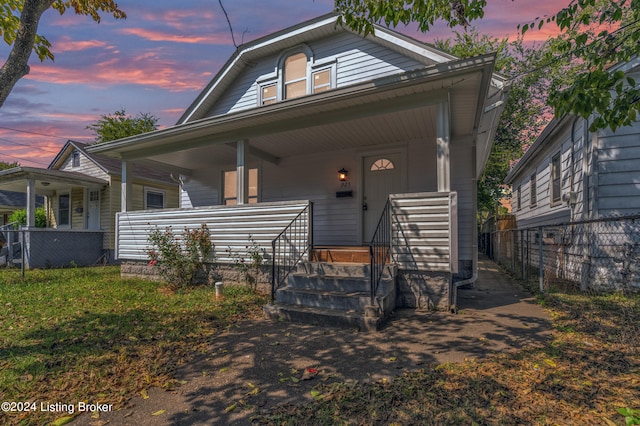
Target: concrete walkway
{"x": 497, "y": 315}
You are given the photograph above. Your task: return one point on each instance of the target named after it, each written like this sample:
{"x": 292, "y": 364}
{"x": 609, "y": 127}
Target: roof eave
{"x": 169, "y": 135}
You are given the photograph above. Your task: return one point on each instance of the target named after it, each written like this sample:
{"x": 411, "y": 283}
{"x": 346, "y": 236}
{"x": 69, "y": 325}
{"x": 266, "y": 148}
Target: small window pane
{"x": 155, "y": 200}
{"x": 269, "y": 94}
{"x": 555, "y": 178}
{"x": 294, "y": 90}
{"x": 382, "y": 164}
{"x": 295, "y": 67}
{"x": 63, "y": 209}
{"x": 321, "y": 81}
{"x": 75, "y": 159}
{"x": 533, "y": 190}
{"x": 230, "y": 185}
{"x": 253, "y": 184}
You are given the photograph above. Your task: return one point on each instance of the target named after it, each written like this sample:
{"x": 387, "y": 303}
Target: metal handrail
{"x": 290, "y": 246}
{"x": 380, "y": 249}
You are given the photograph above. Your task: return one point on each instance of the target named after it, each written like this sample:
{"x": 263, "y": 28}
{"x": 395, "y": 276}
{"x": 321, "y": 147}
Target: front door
{"x": 382, "y": 176}
{"x": 93, "y": 210}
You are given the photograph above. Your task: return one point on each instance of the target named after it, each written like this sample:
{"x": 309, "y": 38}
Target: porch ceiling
{"x": 374, "y": 130}
{"x": 384, "y": 111}
{"x": 47, "y": 181}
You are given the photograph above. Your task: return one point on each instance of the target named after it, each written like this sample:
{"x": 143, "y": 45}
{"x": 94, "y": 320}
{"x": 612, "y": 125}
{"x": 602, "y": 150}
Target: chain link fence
{"x": 600, "y": 255}
{"x": 50, "y": 248}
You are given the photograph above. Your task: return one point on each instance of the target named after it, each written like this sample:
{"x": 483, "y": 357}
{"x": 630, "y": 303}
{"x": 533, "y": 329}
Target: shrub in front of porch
{"x": 179, "y": 260}
{"x": 20, "y": 217}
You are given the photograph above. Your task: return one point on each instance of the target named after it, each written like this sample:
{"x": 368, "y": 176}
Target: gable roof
{"x": 277, "y": 42}
{"x": 109, "y": 165}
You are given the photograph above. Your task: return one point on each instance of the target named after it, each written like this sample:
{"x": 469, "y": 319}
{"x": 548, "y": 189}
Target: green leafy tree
{"x": 520, "y": 122}
{"x": 594, "y": 34}
{"x": 20, "y": 216}
{"x": 120, "y": 125}
{"x": 19, "y": 21}
{"x": 5, "y": 165}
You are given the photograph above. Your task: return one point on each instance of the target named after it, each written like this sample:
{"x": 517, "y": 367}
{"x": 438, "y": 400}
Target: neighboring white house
{"x": 571, "y": 175}
{"x": 287, "y": 112}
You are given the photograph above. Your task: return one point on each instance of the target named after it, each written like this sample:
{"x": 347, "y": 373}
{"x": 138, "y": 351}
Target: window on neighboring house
{"x": 295, "y": 76}
{"x": 75, "y": 159}
{"x": 153, "y": 199}
{"x": 533, "y": 191}
{"x": 231, "y": 187}
{"x": 64, "y": 210}
{"x": 555, "y": 178}
{"x": 519, "y": 198}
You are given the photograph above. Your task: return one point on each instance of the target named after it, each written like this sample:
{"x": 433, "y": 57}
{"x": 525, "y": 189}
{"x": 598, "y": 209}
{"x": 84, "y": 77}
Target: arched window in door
{"x": 382, "y": 164}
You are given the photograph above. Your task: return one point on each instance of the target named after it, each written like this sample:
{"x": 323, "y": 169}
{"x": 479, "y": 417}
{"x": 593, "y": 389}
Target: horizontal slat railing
{"x": 230, "y": 226}
{"x": 424, "y": 231}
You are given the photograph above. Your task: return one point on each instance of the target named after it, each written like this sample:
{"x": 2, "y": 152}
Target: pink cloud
{"x": 175, "y": 38}
{"x": 66, "y": 44}
{"x": 142, "y": 70}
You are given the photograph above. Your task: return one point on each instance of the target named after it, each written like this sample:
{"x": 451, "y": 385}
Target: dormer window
{"x": 297, "y": 75}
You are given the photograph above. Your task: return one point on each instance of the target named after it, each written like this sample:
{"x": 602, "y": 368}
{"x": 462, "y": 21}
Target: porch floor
{"x": 340, "y": 254}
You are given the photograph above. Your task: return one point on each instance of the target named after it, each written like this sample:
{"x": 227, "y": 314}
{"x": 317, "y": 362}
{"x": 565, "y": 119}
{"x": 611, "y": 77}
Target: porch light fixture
{"x": 343, "y": 175}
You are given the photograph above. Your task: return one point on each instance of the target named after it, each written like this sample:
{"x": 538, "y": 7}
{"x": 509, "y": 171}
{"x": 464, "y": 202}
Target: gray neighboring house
{"x": 320, "y": 143}
{"x": 82, "y": 194}
{"x": 570, "y": 175}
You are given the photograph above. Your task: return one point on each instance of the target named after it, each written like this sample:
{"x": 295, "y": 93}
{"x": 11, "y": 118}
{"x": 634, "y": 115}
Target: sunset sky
{"x": 159, "y": 58}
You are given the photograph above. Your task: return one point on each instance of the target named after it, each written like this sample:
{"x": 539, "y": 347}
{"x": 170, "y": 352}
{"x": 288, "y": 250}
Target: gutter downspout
{"x": 474, "y": 242}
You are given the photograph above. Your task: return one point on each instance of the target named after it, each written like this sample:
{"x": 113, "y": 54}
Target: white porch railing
{"x": 230, "y": 227}
{"x": 424, "y": 233}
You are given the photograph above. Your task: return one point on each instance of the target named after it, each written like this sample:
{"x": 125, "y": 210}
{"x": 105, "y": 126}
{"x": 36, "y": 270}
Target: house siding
{"x": 86, "y": 167}
{"x": 618, "y": 171}
{"x": 546, "y": 211}
{"x": 356, "y": 60}
{"x": 610, "y": 188}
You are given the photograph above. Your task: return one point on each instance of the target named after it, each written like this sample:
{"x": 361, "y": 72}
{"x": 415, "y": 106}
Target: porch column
{"x": 242, "y": 173}
{"x": 443, "y": 136}
{"x": 31, "y": 203}
{"x": 126, "y": 196}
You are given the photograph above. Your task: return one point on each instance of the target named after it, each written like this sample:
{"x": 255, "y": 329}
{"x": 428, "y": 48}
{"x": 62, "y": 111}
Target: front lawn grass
{"x": 588, "y": 372}
{"x": 85, "y": 334}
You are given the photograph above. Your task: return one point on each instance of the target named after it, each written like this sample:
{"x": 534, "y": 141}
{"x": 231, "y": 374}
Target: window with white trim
{"x": 75, "y": 159}
{"x": 64, "y": 209}
{"x": 230, "y": 195}
{"x": 533, "y": 191}
{"x": 269, "y": 94}
{"x": 555, "y": 183}
{"x": 154, "y": 199}
{"x": 297, "y": 75}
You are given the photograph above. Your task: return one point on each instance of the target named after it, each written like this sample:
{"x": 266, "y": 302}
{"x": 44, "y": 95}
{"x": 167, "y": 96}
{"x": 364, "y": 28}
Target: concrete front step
{"x": 323, "y": 292}
{"x": 323, "y": 316}
{"x": 341, "y": 269}
{"x": 341, "y": 300}
{"x": 328, "y": 282}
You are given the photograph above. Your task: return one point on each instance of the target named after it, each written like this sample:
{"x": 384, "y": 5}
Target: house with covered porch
{"x": 80, "y": 193}
{"x": 328, "y": 148}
